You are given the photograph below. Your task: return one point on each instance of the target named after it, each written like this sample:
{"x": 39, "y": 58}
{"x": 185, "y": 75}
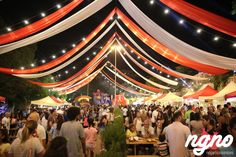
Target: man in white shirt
{"x": 154, "y": 117}
{"x": 176, "y": 135}
{"x": 147, "y": 130}
{"x": 6, "y": 121}
{"x": 125, "y": 110}
{"x": 41, "y": 133}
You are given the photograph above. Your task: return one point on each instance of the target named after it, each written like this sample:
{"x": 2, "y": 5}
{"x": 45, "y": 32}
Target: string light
{"x": 26, "y": 22}
{"x": 100, "y": 47}
{"x": 52, "y": 78}
{"x": 66, "y": 72}
{"x": 32, "y": 64}
{"x": 43, "y": 14}
{"x": 234, "y": 45}
{"x": 43, "y": 61}
{"x": 168, "y": 76}
{"x": 131, "y": 51}
{"x": 160, "y": 72}
{"x": 94, "y": 53}
{"x": 74, "y": 67}
{"x": 166, "y": 11}
{"x": 87, "y": 58}
{"x": 22, "y": 68}
{"x": 9, "y": 29}
{"x": 53, "y": 56}
{"x": 176, "y": 79}
{"x": 73, "y": 45}
{"x": 59, "y": 75}
{"x": 83, "y": 39}
{"x": 216, "y": 38}
{"x": 199, "y": 30}
{"x": 63, "y": 51}
{"x": 58, "y": 6}
{"x": 151, "y": 2}
{"x": 181, "y": 21}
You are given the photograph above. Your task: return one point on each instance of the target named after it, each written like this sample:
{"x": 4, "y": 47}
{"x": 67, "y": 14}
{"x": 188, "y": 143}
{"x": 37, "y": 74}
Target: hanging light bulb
{"x": 181, "y": 21}
{"x": 168, "y": 76}
{"x": 32, "y": 64}
{"x": 153, "y": 68}
{"x": 145, "y": 62}
{"x": 66, "y": 72}
{"x": 234, "y": 45}
{"x": 160, "y": 72}
{"x": 59, "y": 75}
{"x": 26, "y": 22}
{"x": 151, "y": 2}
{"x": 63, "y": 51}
{"x": 166, "y": 11}
{"x": 52, "y": 78}
{"x": 22, "y": 68}
{"x": 73, "y": 45}
{"x": 176, "y": 79}
{"x": 74, "y": 67}
{"x": 199, "y": 30}
{"x": 53, "y": 56}
{"x": 89, "y": 58}
{"x": 43, "y": 61}
{"x": 216, "y": 38}
{"x": 94, "y": 53}
{"x": 9, "y": 29}
{"x": 43, "y": 14}
{"x": 83, "y": 39}
{"x": 58, "y": 6}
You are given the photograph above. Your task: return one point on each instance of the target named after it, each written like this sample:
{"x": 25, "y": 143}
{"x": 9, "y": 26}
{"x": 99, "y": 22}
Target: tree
{"x": 233, "y": 7}
{"x": 220, "y": 81}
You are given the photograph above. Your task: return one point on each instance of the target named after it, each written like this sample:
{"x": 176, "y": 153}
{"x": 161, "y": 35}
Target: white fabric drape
{"x": 69, "y": 61}
{"x": 127, "y": 81}
{"x": 127, "y": 90}
{"x": 168, "y": 81}
{"x": 151, "y": 82}
{"x": 145, "y": 53}
{"x": 174, "y": 43}
{"x": 58, "y": 28}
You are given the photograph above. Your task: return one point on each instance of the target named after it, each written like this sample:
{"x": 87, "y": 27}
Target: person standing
{"x": 176, "y": 135}
{"x": 6, "y": 121}
{"x": 90, "y": 137}
{"x": 73, "y": 131}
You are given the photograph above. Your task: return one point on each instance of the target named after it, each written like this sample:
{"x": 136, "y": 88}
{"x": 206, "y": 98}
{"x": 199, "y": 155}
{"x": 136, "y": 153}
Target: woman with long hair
{"x": 56, "y": 127}
{"x": 28, "y": 145}
{"x": 57, "y": 147}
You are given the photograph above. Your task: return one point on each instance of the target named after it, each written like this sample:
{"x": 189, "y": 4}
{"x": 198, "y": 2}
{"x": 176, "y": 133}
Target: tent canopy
{"x": 188, "y": 93}
{"x": 170, "y": 97}
{"x": 47, "y": 101}
{"x": 231, "y": 95}
{"x": 231, "y": 87}
{"x": 207, "y": 91}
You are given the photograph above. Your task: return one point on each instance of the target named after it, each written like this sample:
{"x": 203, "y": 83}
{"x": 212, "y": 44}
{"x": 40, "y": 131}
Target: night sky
{"x": 13, "y": 12}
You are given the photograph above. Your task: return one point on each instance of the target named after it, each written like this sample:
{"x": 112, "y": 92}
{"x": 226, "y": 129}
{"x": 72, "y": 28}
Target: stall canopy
{"x": 188, "y": 93}
{"x": 231, "y": 95}
{"x": 231, "y": 87}
{"x": 47, "y": 101}
{"x": 170, "y": 97}
{"x": 207, "y": 91}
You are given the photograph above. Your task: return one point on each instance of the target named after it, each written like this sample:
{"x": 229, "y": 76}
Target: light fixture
{"x": 58, "y": 6}
{"x": 100, "y": 47}
{"x": 166, "y": 11}
{"x": 59, "y": 75}
{"x": 63, "y": 51}
{"x": 94, "y": 53}
{"x": 53, "y": 56}
{"x": 151, "y": 2}
{"x": 131, "y": 51}
{"x": 145, "y": 62}
{"x": 138, "y": 57}
{"x": 66, "y": 71}
{"x": 73, "y": 45}
{"x": 87, "y": 58}
{"x": 181, "y": 21}
{"x": 234, "y": 45}
{"x": 176, "y": 79}
{"x": 43, "y": 61}
{"x": 9, "y": 29}
{"x": 22, "y": 68}
{"x": 216, "y": 38}
{"x": 26, "y": 22}
{"x": 43, "y": 14}
{"x": 52, "y": 78}
{"x": 153, "y": 68}
{"x": 118, "y": 17}
{"x": 83, "y": 39}
{"x": 111, "y": 18}
{"x": 199, "y": 30}
{"x": 32, "y": 64}
{"x": 168, "y": 76}
{"x": 160, "y": 72}
{"x": 74, "y": 67}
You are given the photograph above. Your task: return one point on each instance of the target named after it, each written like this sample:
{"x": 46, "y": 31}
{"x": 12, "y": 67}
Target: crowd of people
{"x": 172, "y": 126}
{"x": 66, "y": 133}
{"x": 73, "y": 132}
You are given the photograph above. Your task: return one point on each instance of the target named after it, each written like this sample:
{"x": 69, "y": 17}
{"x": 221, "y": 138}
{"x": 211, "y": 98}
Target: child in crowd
{"x": 90, "y": 137}
{"x": 162, "y": 146}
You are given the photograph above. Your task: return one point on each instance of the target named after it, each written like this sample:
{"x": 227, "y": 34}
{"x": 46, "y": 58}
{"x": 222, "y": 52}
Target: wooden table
{"x": 142, "y": 141}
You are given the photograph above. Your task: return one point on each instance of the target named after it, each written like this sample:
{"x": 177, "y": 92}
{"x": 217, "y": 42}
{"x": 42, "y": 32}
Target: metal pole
{"x": 115, "y": 78}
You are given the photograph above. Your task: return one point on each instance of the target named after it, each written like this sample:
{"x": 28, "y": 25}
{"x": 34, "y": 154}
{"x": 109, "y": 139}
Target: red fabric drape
{"x": 202, "y": 16}
{"x": 64, "y": 57}
{"x": 80, "y": 72}
{"x": 154, "y": 89}
{"x": 230, "y": 95}
{"x": 148, "y": 61}
{"x": 38, "y": 25}
{"x": 207, "y": 91}
{"x": 164, "y": 51}
{"x": 123, "y": 87}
